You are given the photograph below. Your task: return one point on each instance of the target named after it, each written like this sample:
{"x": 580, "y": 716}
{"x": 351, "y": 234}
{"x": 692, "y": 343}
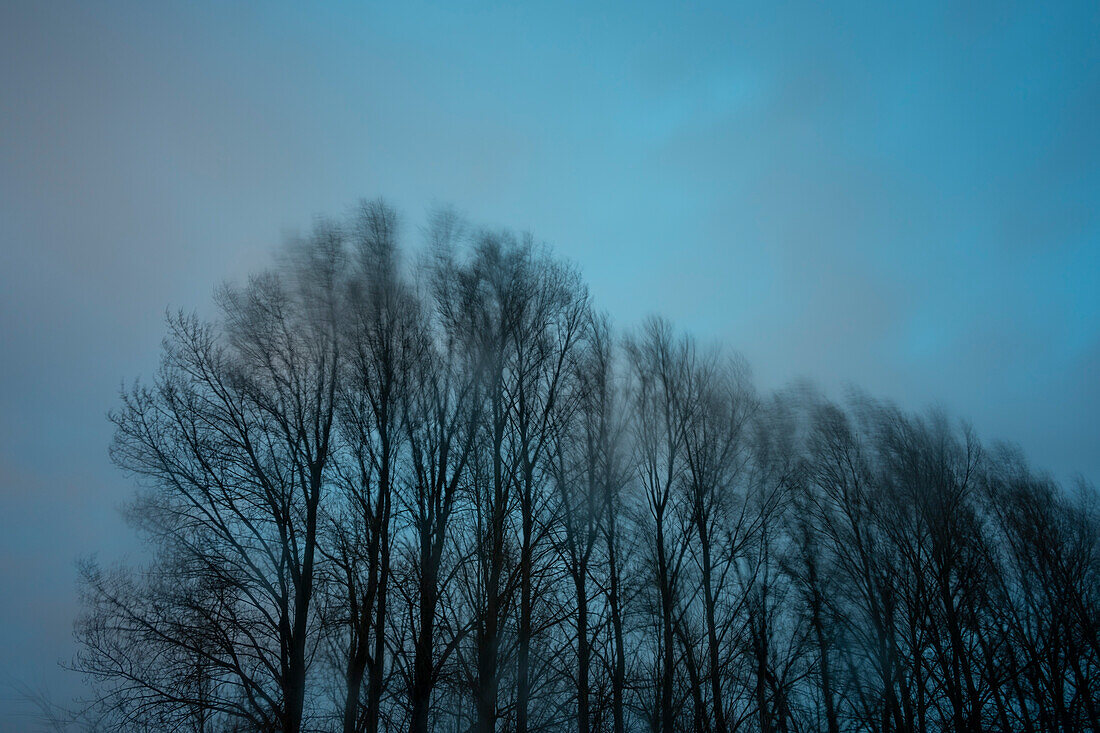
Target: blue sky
{"x": 902, "y": 197}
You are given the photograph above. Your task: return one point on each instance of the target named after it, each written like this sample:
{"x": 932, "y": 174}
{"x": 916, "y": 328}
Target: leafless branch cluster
{"x": 438, "y": 493}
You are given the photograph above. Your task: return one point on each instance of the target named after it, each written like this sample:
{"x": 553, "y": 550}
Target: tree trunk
{"x": 712, "y": 633}
{"x": 816, "y": 604}
{"x": 523, "y": 682}
{"x": 618, "y": 673}
{"x": 583, "y": 653}
{"x": 668, "y": 657}
{"x": 424, "y": 659}
{"x": 378, "y": 659}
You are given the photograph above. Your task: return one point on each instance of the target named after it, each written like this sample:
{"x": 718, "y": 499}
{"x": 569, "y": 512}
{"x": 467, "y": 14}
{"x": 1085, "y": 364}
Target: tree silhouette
{"x": 433, "y": 490}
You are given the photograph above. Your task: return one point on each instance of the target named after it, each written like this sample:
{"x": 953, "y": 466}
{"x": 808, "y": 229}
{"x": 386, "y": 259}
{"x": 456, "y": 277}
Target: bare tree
{"x": 234, "y": 440}
{"x": 661, "y": 366}
{"x": 721, "y": 513}
{"x": 383, "y": 342}
{"x": 588, "y": 474}
{"x": 443, "y": 425}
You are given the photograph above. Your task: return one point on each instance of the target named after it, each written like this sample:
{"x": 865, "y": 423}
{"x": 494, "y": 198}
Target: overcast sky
{"x": 903, "y": 198}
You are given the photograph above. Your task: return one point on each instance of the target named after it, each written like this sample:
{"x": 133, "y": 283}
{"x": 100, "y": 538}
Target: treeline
{"x": 440, "y": 493}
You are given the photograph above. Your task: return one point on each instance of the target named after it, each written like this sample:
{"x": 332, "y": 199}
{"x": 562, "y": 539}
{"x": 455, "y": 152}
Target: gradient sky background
{"x": 905, "y": 198}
